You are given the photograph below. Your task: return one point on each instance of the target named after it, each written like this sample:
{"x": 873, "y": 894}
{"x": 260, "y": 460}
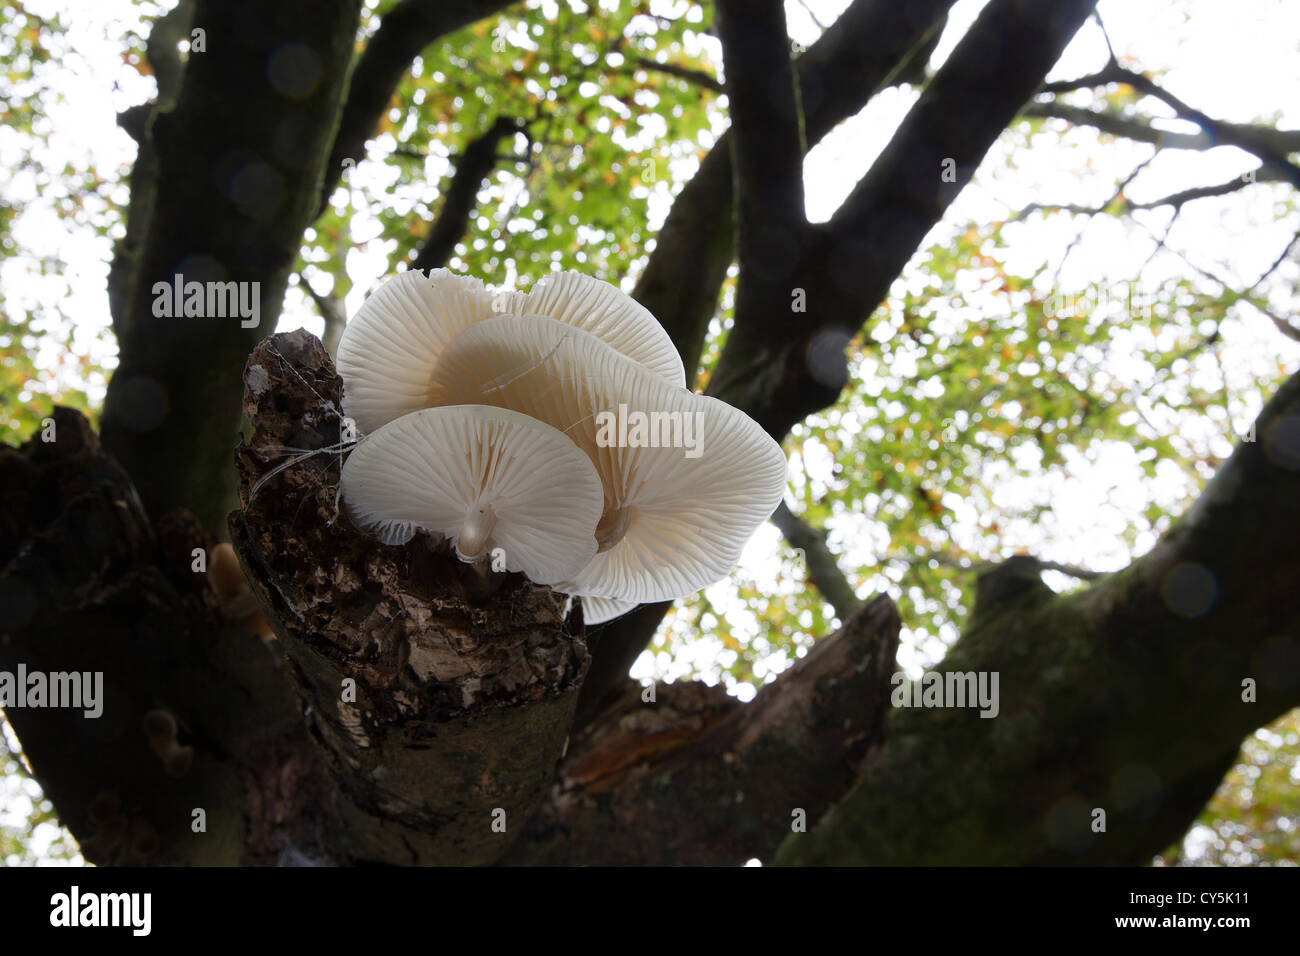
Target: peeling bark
{"x": 696, "y": 778}
{"x": 474, "y": 694}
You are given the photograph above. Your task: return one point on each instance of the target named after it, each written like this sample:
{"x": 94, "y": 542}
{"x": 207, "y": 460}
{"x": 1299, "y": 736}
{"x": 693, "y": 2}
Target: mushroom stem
{"x": 471, "y": 544}
{"x": 613, "y": 526}
{"x": 479, "y": 580}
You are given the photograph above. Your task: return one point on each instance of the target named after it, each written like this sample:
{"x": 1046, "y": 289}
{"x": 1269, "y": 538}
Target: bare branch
{"x": 812, "y": 15}
{"x": 1177, "y": 200}
{"x": 475, "y": 164}
{"x": 766, "y": 123}
{"x": 1117, "y": 125}
{"x": 331, "y": 311}
{"x": 1105, "y": 34}
{"x": 1269, "y": 145}
{"x": 1281, "y": 324}
{"x": 1281, "y": 258}
{"x": 1111, "y": 73}
{"x": 823, "y": 571}
{"x": 697, "y": 77}
{"x": 404, "y": 31}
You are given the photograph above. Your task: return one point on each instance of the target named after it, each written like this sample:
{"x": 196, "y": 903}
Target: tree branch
{"x": 823, "y": 571}
{"x": 766, "y": 135}
{"x": 1130, "y": 697}
{"x": 93, "y": 587}
{"x": 1177, "y": 200}
{"x": 778, "y": 379}
{"x": 1116, "y": 125}
{"x": 331, "y": 311}
{"x": 615, "y": 646}
{"x": 1280, "y": 140}
{"x": 1281, "y": 324}
{"x": 461, "y": 194}
{"x": 226, "y": 187}
{"x": 696, "y": 77}
{"x": 871, "y": 44}
{"x": 952, "y": 561}
{"x": 874, "y": 43}
{"x": 1269, "y": 145}
{"x": 404, "y": 31}
{"x": 694, "y": 778}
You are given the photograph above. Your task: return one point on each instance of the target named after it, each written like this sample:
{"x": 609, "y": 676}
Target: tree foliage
{"x": 981, "y": 371}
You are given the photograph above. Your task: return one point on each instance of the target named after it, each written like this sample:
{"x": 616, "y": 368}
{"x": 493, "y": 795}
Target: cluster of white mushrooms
{"x": 479, "y": 413}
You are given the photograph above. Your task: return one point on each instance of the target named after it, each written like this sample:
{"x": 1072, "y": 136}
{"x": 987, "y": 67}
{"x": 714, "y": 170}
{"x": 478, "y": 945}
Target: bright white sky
{"x": 1237, "y": 60}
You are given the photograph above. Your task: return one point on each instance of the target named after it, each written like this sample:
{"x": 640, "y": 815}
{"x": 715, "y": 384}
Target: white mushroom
{"x": 598, "y": 610}
{"x": 503, "y": 487}
{"x": 603, "y": 310}
{"x": 388, "y": 350}
{"x": 389, "y": 347}
{"x": 683, "y": 492}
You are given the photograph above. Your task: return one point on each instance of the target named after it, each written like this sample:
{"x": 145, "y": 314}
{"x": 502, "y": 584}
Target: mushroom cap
{"x": 512, "y": 482}
{"x": 683, "y": 520}
{"x": 598, "y": 610}
{"x": 606, "y": 312}
{"x": 388, "y": 350}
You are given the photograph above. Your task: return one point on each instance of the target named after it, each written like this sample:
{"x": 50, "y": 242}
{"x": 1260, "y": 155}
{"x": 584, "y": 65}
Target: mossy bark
{"x": 230, "y": 178}
{"x": 90, "y": 585}
{"x": 1130, "y": 697}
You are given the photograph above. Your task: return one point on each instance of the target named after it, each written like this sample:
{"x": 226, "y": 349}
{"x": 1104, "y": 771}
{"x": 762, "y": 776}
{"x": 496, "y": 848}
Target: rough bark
{"x": 693, "y": 777}
{"x": 461, "y": 691}
{"x": 89, "y": 584}
{"x": 464, "y": 689}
